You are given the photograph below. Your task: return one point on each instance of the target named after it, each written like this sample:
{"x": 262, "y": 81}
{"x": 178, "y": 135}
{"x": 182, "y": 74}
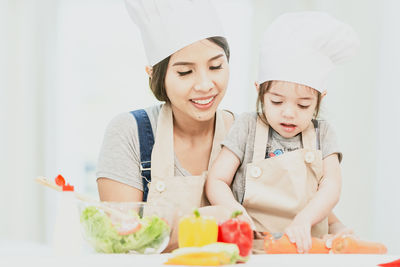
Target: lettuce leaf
{"x": 103, "y": 236}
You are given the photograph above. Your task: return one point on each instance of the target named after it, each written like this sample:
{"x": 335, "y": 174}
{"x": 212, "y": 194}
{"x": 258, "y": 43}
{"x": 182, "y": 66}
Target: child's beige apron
{"x": 279, "y": 187}
{"x": 184, "y": 192}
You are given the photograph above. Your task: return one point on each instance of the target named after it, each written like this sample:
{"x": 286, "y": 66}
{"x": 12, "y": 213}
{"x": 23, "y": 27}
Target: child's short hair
{"x": 265, "y": 87}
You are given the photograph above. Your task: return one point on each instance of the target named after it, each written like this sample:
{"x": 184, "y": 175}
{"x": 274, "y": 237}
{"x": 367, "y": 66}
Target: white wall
{"x": 21, "y": 99}
{"x": 68, "y": 66}
{"x": 387, "y": 178}
{"x": 351, "y": 107}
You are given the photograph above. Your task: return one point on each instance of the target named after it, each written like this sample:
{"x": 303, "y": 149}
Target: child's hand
{"x": 299, "y": 232}
{"x": 337, "y": 230}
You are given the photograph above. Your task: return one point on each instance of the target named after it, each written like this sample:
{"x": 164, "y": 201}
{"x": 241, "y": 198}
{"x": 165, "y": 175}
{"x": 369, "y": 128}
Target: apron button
{"x": 255, "y": 172}
{"x": 309, "y": 157}
{"x": 160, "y": 186}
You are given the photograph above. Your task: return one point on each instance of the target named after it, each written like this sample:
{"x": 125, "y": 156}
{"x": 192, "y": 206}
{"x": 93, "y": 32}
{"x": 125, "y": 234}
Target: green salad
{"x": 105, "y": 238}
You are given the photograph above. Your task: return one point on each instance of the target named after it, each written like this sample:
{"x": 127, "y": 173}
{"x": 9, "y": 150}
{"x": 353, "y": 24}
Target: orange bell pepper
{"x": 197, "y": 231}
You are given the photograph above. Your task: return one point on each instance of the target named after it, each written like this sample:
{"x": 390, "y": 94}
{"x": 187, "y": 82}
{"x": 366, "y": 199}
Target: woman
{"x": 190, "y": 73}
{"x": 188, "y": 70}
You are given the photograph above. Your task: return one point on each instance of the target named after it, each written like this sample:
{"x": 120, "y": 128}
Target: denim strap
{"x": 316, "y": 126}
{"x": 146, "y": 142}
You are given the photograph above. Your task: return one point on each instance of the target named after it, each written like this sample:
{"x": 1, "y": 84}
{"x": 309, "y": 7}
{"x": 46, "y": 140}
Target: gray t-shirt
{"x": 119, "y": 157}
{"x": 240, "y": 141}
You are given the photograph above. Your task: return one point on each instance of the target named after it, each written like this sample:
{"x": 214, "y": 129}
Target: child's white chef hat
{"x": 169, "y": 25}
{"x": 303, "y": 47}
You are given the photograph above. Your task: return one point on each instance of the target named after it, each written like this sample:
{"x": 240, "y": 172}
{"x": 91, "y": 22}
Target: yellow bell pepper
{"x": 214, "y": 254}
{"x": 200, "y": 259}
{"x": 197, "y": 231}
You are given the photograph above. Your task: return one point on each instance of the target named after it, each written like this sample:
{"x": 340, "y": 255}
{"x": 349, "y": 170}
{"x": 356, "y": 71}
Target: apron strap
{"x": 229, "y": 118}
{"x": 223, "y": 122}
{"x": 146, "y": 142}
{"x": 260, "y": 141}
{"x": 162, "y": 158}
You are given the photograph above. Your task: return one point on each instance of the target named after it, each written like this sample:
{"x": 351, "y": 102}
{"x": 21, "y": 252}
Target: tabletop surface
{"x": 29, "y": 254}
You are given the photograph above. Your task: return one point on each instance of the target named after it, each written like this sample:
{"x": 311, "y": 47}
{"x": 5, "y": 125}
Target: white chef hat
{"x": 169, "y": 25}
{"x": 303, "y": 47}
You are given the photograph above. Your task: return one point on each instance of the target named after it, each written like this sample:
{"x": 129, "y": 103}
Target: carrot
{"x": 350, "y": 245}
{"x": 284, "y": 246}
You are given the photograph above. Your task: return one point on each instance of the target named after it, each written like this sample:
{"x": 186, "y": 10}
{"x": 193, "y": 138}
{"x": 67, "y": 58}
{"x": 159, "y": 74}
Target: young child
{"x": 280, "y": 166}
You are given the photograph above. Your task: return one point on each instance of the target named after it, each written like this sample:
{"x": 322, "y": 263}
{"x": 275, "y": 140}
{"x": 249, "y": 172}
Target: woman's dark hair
{"x": 157, "y": 81}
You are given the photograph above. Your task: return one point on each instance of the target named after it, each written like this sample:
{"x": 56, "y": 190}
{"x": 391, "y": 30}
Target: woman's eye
{"x": 183, "y": 73}
{"x": 303, "y": 106}
{"x": 276, "y": 102}
{"x": 216, "y": 67}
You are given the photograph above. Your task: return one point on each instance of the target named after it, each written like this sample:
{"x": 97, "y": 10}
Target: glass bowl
{"x": 126, "y": 227}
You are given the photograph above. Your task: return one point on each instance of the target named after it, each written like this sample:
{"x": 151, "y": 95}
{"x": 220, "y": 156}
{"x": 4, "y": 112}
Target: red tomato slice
{"x": 127, "y": 228}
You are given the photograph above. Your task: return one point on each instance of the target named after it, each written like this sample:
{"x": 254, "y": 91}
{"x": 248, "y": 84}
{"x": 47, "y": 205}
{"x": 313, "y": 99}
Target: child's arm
{"x": 219, "y": 180}
{"x": 319, "y": 207}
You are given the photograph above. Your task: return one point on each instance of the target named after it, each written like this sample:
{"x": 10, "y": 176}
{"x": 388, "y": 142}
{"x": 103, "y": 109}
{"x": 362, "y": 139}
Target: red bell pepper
{"x": 395, "y": 263}
{"x": 237, "y": 232}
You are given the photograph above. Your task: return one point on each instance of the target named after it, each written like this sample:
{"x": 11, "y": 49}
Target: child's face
{"x": 289, "y": 107}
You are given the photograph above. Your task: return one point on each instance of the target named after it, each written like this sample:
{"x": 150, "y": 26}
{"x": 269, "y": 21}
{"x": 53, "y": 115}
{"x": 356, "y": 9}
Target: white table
{"x": 28, "y": 254}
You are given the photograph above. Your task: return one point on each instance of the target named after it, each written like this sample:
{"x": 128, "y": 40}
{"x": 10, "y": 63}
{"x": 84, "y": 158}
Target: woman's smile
{"x": 203, "y": 102}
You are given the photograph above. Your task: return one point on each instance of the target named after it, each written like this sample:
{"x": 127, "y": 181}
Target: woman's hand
{"x": 246, "y": 217}
{"x": 299, "y": 232}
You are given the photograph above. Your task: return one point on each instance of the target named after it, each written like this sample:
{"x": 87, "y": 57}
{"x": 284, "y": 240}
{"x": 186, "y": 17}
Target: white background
{"x": 68, "y": 66}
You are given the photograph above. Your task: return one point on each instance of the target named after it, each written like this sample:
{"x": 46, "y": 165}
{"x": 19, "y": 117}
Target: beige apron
{"x": 184, "y": 192}
{"x": 279, "y": 187}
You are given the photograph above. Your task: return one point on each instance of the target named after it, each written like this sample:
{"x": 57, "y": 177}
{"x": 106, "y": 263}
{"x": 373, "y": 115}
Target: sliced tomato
{"x": 127, "y": 228}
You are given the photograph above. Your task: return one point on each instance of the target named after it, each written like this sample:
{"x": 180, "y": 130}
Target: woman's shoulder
{"x": 126, "y": 121}
{"x": 121, "y": 121}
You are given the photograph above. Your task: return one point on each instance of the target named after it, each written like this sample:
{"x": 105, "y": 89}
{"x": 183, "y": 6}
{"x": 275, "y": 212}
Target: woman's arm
{"x": 320, "y": 205}
{"x": 118, "y": 168}
{"x": 110, "y": 190}
{"x": 219, "y": 179}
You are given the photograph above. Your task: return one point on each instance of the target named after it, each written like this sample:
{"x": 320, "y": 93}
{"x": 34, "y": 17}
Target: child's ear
{"x": 323, "y": 94}
{"x": 149, "y": 70}
{"x": 257, "y": 86}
